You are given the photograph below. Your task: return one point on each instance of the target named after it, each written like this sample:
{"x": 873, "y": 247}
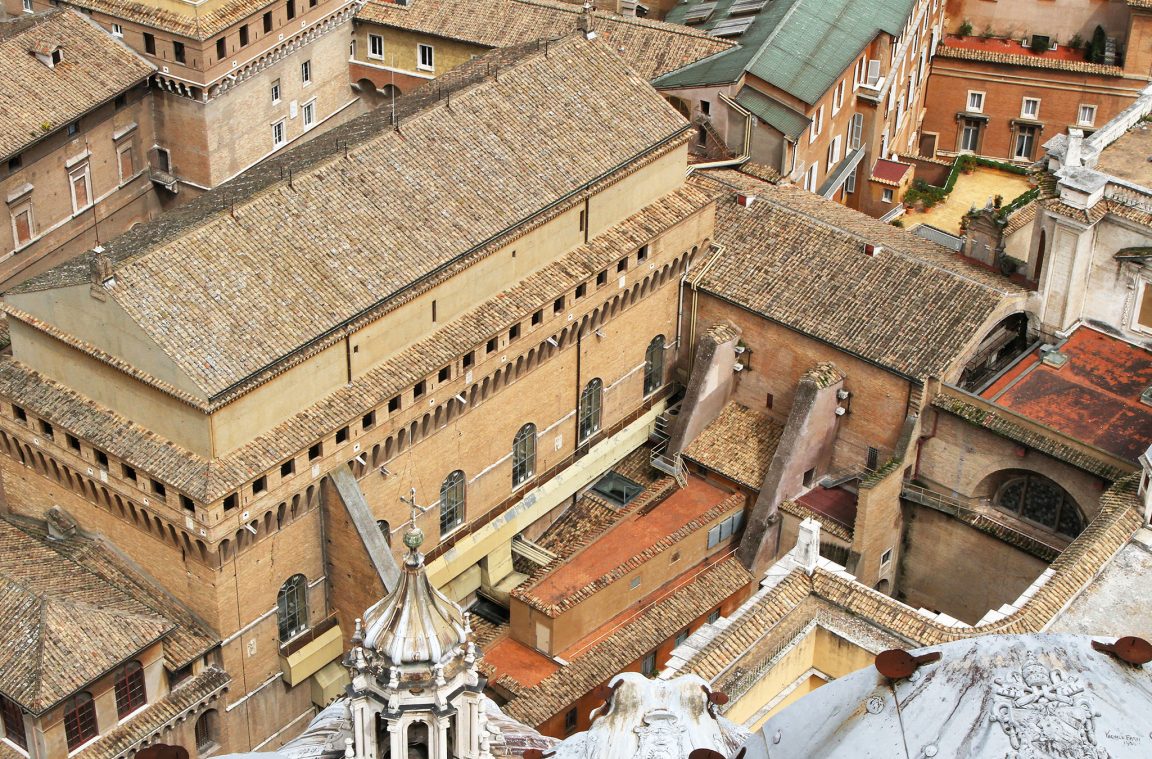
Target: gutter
{"x": 746, "y": 154}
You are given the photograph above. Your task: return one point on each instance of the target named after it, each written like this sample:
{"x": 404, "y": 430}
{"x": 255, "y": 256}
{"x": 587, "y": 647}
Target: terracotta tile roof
{"x": 798, "y": 259}
{"x": 189, "y": 698}
{"x": 1027, "y": 60}
{"x": 803, "y": 511}
{"x": 889, "y": 172}
{"x": 254, "y": 272}
{"x": 206, "y": 480}
{"x": 72, "y": 610}
{"x": 651, "y": 48}
{"x": 1020, "y": 218}
{"x": 37, "y": 99}
{"x": 738, "y": 444}
{"x": 198, "y": 21}
{"x": 641, "y": 631}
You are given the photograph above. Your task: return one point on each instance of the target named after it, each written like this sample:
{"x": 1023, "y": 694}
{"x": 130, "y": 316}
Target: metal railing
{"x": 970, "y": 509}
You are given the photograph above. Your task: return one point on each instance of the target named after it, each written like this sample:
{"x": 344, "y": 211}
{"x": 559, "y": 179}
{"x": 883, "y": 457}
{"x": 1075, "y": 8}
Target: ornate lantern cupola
{"x": 415, "y": 688}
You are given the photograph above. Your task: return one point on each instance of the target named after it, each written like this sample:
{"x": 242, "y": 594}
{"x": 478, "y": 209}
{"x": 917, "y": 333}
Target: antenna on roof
{"x": 392, "y": 87}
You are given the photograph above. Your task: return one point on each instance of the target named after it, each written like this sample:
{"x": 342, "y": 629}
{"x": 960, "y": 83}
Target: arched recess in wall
{"x": 1035, "y": 499}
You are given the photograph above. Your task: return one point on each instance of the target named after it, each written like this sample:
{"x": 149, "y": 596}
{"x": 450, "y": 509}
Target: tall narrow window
{"x": 149, "y": 44}
{"x": 13, "y": 720}
{"x": 178, "y": 51}
{"x": 452, "y": 502}
{"x": 654, "y": 365}
{"x": 290, "y": 8}
{"x": 126, "y": 162}
{"x": 268, "y": 22}
{"x": 80, "y": 720}
{"x": 375, "y": 46}
{"x": 426, "y": 58}
{"x": 243, "y": 35}
{"x": 590, "y": 400}
{"x": 206, "y": 730}
{"x": 309, "y": 114}
{"x": 278, "y": 137}
{"x": 222, "y": 48}
{"x": 23, "y": 228}
{"x": 855, "y": 130}
{"x": 81, "y": 183}
{"x": 306, "y": 72}
{"x": 275, "y": 91}
{"x": 130, "y": 691}
{"x": 524, "y": 455}
{"x": 292, "y": 607}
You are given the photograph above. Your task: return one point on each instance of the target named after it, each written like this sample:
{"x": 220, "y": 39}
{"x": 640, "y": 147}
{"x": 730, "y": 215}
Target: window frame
{"x": 12, "y": 721}
{"x": 292, "y": 608}
{"x": 117, "y": 30}
{"x": 421, "y": 47}
{"x": 80, "y": 725}
{"x": 453, "y": 499}
{"x": 306, "y": 73}
{"x": 524, "y": 455}
{"x": 308, "y": 114}
{"x": 277, "y": 91}
{"x": 1143, "y": 291}
{"x": 887, "y": 196}
{"x": 17, "y": 209}
{"x": 131, "y": 689}
{"x": 980, "y": 104}
{"x": 81, "y": 172}
{"x": 1024, "y": 114}
{"x": 590, "y": 414}
{"x": 654, "y": 365}
{"x": 1080, "y": 121}
{"x": 129, "y": 150}
{"x": 373, "y": 39}
{"x": 279, "y": 134}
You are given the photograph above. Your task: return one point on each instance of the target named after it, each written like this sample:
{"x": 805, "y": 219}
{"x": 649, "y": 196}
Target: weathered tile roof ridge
{"x": 73, "y": 609}
{"x": 199, "y": 21}
{"x": 191, "y": 697}
{"x": 650, "y": 47}
{"x": 632, "y": 639}
{"x": 37, "y": 99}
{"x": 739, "y": 444}
{"x": 824, "y": 374}
{"x": 1020, "y": 218}
{"x": 248, "y": 287}
{"x": 1002, "y": 424}
{"x": 803, "y": 511}
{"x": 1030, "y": 61}
{"x": 206, "y": 481}
{"x": 798, "y": 259}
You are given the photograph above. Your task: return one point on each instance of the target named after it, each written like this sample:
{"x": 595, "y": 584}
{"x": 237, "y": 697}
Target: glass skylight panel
{"x": 730, "y": 27}
{"x": 699, "y": 13}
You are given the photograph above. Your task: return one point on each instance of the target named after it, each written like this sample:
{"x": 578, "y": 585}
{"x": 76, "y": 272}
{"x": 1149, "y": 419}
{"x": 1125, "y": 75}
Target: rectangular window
{"x": 581, "y": 290}
{"x": 315, "y": 451}
{"x": 970, "y": 136}
{"x": 221, "y": 48}
{"x": 159, "y": 490}
{"x": 268, "y": 22}
{"x": 469, "y": 358}
{"x": 558, "y": 305}
{"x": 187, "y": 503}
{"x": 342, "y": 435}
{"x": 1143, "y": 321}
{"x": 570, "y": 717}
{"x": 583, "y": 220}
{"x": 834, "y": 153}
{"x": 27, "y": 9}
{"x": 278, "y": 137}
{"x": 126, "y": 161}
{"x": 290, "y": 8}
{"x": 80, "y": 181}
{"x": 537, "y": 317}
{"x": 810, "y": 178}
{"x": 816, "y": 126}
{"x": 117, "y": 30}
{"x": 975, "y": 102}
{"x": 129, "y": 472}
{"x": 1025, "y": 142}
{"x": 23, "y": 227}
{"x": 622, "y": 265}
{"x": 11, "y": 714}
{"x": 850, "y": 182}
{"x": 306, "y": 73}
{"x": 73, "y": 128}
{"x": 855, "y": 129}
{"x": 648, "y": 665}
{"x": 513, "y": 332}
{"x": 393, "y": 404}
{"x": 1086, "y": 115}
{"x": 309, "y": 111}
{"x": 46, "y": 429}
{"x": 275, "y": 91}
{"x": 376, "y": 46}
{"x": 260, "y": 484}
{"x": 20, "y": 414}
{"x": 15, "y": 163}
{"x": 886, "y": 196}
{"x": 288, "y": 468}
{"x": 418, "y": 389}
{"x": 602, "y": 278}
{"x": 491, "y": 345}
{"x": 444, "y": 374}
{"x": 149, "y": 44}
{"x": 425, "y": 57}
{"x": 230, "y": 501}
{"x": 73, "y": 442}
{"x": 642, "y": 253}
{"x": 1030, "y": 108}
{"x": 243, "y": 35}
{"x": 838, "y": 98}
{"x": 178, "y": 51}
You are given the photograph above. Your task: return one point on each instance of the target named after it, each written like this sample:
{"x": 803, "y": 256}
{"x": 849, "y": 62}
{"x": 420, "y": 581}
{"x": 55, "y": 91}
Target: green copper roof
{"x": 801, "y": 46}
{"x": 774, "y": 114}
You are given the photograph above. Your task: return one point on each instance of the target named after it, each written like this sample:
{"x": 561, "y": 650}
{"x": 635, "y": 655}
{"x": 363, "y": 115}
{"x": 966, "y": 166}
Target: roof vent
{"x": 1146, "y": 397}
{"x": 872, "y": 250}
{"x": 745, "y": 199}
{"x": 1052, "y": 357}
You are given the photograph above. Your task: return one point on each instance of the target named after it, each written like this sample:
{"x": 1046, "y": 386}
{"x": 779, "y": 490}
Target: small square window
{"x": 315, "y": 451}
{"x": 129, "y": 472}
{"x": 368, "y": 421}
{"x": 73, "y": 128}
{"x": 342, "y": 435}
{"x": 46, "y": 429}
{"x": 886, "y": 196}
{"x": 187, "y": 503}
{"x": 375, "y": 46}
{"x": 513, "y": 332}
{"x": 73, "y": 442}
{"x": 101, "y": 458}
{"x": 469, "y": 357}
{"x": 714, "y": 617}
{"x": 1086, "y": 115}
{"x": 394, "y": 403}
{"x": 1030, "y": 108}
{"x": 581, "y": 290}
{"x": 602, "y": 278}
{"x": 886, "y": 557}
{"x": 975, "y": 102}
{"x": 288, "y": 468}
{"x": 20, "y": 414}
{"x": 492, "y": 345}
{"x": 120, "y": 101}
{"x": 260, "y": 484}
{"x": 538, "y": 317}
{"x": 635, "y": 583}
{"x": 622, "y": 265}
{"x": 15, "y": 162}
{"x": 642, "y": 253}
{"x": 117, "y": 30}
{"x": 418, "y": 389}
{"x": 230, "y": 501}
{"x": 158, "y": 489}
{"x": 444, "y": 374}
{"x": 558, "y": 305}
{"x": 426, "y": 57}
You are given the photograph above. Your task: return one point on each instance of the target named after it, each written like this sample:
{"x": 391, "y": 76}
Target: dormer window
{"x": 57, "y": 56}
{"x": 48, "y": 53}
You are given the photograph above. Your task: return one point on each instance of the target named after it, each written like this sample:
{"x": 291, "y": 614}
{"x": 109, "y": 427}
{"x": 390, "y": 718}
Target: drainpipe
{"x": 746, "y": 154}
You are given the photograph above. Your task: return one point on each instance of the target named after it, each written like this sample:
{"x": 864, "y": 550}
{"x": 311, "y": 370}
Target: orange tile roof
{"x": 510, "y": 658}
{"x": 1011, "y": 52}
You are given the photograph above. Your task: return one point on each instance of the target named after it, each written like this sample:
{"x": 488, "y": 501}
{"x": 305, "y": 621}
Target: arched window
{"x": 207, "y": 731}
{"x": 589, "y": 423}
{"x": 385, "y": 530}
{"x": 524, "y": 455}
{"x": 13, "y": 720}
{"x": 1040, "y": 500}
{"x": 80, "y": 720}
{"x": 654, "y": 365}
{"x": 130, "y": 693}
{"x": 452, "y": 502}
{"x": 292, "y": 607}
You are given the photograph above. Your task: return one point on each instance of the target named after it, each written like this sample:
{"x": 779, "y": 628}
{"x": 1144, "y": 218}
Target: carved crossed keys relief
{"x": 1045, "y": 714}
